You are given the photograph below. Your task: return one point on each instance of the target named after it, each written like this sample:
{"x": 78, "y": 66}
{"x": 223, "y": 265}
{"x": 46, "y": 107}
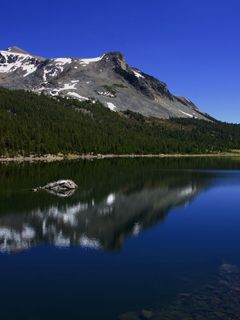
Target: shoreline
{"x": 69, "y": 157}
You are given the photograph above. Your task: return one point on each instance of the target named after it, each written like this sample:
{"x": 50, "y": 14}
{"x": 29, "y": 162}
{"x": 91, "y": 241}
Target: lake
{"x": 139, "y": 239}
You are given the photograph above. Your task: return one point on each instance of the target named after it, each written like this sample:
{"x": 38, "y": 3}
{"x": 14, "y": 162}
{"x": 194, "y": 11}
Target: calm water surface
{"x": 135, "y": 235}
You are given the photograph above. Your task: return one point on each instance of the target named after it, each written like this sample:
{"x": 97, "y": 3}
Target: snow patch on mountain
{"x": 62, "y": 61}
{"x": 68, "y": 86}
{"x": 13, "y": 61}
{"x": 111, "y": 106}
{"x": 55, "y": 67}
{"x": 29, "y": 68}
{"x": 51, "y": 71}
{"x": 56, "y": 91}
{"x": 187, "y": 114}
{"x": 85, "y": 62}
{"x": 106, "y": 94}
{"x": 9, "y": 53}
{"x": 77, "y": 96}
{"x": 138, "y": 74}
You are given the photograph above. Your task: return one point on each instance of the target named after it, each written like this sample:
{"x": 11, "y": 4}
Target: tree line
{"x": 37, "y": 124}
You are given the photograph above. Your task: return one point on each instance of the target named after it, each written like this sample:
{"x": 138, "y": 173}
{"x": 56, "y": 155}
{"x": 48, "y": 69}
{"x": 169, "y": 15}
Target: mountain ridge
{"x": 107, "y": 78}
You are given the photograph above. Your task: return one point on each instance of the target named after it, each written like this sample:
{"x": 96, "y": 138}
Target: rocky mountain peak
{"x": 107, "y": 78}
{"x": 116, "y": 57}
{"x": 15, "y": 49}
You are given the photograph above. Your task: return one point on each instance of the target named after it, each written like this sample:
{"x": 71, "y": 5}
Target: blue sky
{"x": 192, "y": 45}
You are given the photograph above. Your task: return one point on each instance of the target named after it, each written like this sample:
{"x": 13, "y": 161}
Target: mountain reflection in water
{"x": 140, "y": 238}
{"x": 114, "y": 201}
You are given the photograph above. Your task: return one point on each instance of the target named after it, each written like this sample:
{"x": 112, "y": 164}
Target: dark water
{"x": 135, "y": 235}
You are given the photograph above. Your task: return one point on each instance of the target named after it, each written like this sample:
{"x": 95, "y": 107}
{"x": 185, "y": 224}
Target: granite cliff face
{"x": 107, "y": 78}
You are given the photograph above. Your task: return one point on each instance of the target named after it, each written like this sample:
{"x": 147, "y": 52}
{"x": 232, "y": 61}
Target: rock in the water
{"x": 60, "y": 187}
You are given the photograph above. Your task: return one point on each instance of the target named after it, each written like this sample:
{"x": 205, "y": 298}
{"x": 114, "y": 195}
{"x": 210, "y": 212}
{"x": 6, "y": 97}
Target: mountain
{"x": 108, "y": 79}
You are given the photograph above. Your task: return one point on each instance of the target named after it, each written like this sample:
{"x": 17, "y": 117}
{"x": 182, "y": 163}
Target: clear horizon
{"x": 193, "y": 47}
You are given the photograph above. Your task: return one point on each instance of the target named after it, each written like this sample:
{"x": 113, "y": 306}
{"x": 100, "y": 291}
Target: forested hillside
{"x": 37, "y": 124}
